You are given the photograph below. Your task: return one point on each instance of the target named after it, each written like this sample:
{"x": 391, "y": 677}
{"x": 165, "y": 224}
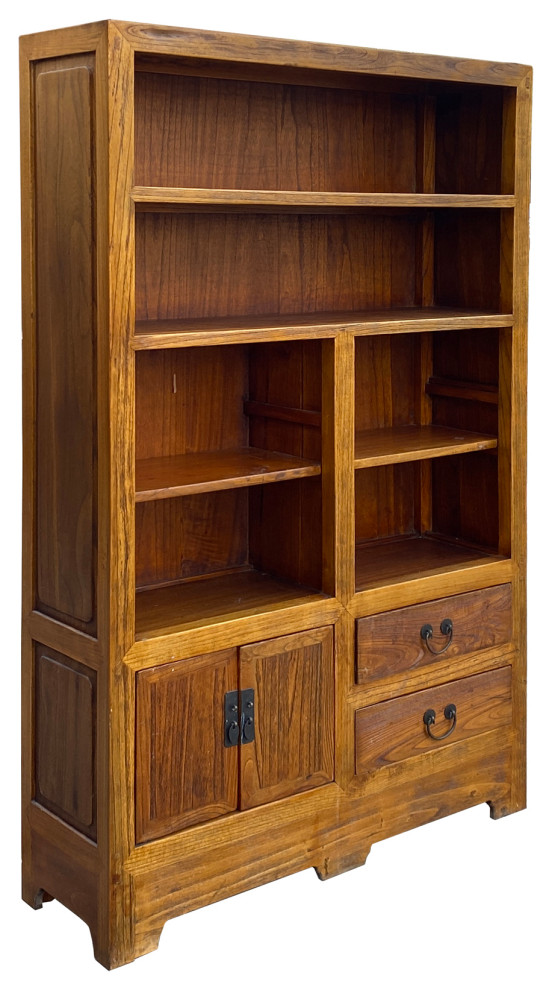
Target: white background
{"x": 461, "y": 902}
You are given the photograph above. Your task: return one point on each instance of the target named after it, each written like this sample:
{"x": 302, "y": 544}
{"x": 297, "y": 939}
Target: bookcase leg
{"x": 34, "y": 896}
{"x": 337, "y": 862}
{"x": 115, "y": 954}
{"x": 509, "y": 806}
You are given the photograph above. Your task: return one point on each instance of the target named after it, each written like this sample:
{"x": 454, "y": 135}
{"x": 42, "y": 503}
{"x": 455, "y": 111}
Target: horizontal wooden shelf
{"x": 392, "y": 561}
{"x": 246, "y": 329}
{"x": 148, "y": 198}
{"x": 222, "y": 597}
{"x": 415, "y": 443}
{"x": 211, "y": 471}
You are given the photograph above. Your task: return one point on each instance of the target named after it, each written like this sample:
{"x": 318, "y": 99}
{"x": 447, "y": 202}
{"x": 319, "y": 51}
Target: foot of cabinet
{"x": 34, "y": 896}
{"x": 336, "y": 863}
{"x": 114, "y": 956}
{"x": 501, "y": 809}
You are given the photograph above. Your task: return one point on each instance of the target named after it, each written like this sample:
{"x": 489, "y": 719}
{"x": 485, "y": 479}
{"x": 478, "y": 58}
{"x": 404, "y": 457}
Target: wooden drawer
{"x": 392, "y": 731}
{"x": 392, "y": 643}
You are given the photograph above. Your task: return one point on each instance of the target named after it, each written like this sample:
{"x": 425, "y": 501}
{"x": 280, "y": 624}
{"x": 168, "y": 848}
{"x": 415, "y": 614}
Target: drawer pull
{"x": 426, "y": 632}
{"x": 429, "y": 720}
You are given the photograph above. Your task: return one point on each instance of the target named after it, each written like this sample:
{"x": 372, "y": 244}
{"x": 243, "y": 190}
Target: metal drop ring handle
{"x": 429, "y": 720}
{"x": 426, "y": 632}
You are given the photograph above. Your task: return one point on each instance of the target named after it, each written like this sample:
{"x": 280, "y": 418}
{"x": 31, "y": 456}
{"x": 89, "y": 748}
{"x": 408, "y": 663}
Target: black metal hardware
{"x": 231, "y": 719}
{"x": 426, "y": 632}
{"x": 429, "y": 720}
{"x": 239, "y": 717}
{"x": 247, "y": 715}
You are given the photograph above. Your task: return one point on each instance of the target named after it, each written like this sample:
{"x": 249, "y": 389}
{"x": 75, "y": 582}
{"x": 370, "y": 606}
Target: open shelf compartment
{"x": 427, "y": 494}
{"x": 224, "y": 272}
{"x": 280, "y": 128}
{"x": 228, "y": 481}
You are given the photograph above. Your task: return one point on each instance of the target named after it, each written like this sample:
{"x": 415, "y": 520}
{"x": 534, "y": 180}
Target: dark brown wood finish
{"x": 66, "y": 419}
{"x": 65, "y": 732}
{"x": 167, "y": 477}
{"x": 409, "y": 557}
{"x": 468, "y": 145}
{"x": 282, "y": 264}
{"x": 467, "y": 258}
{"x": 394, "y": 731}
{"x": 293, "y": 749}
{"x": 391, "y": 643}
{"x": 184, "y": 773}
{"x": 250, "y": 329}
{"x": 256, "y": 135}
{"x": 237, "y": 250}
{"x": 185, "y": 537}
{"x": 465, "y": 498}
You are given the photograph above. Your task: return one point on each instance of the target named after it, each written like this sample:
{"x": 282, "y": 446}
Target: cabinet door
{"x": 293, "y": 749}
{"x": 184, "y": 772}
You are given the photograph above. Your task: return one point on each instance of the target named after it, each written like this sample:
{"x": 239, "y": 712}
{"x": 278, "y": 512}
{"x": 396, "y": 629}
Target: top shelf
{"x": 170, "y": 199}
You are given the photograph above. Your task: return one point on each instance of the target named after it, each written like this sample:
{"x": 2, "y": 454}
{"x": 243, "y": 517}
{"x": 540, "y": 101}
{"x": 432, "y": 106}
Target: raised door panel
{"x": 184, "y": 772}
{"x": 293, "y": 748}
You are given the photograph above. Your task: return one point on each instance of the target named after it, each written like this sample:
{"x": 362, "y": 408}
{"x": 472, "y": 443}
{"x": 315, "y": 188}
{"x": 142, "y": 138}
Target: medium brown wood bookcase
{"x": 275, "y": 312}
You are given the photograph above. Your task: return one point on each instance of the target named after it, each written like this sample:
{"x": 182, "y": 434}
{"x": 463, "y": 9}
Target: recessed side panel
{"x": 65, "y": 728}
{"x": 66, "y": 413}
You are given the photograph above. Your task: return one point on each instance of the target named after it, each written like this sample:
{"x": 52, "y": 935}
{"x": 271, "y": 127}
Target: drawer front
{"x": 392, "y": 731}
{"x": 393, "y": 643}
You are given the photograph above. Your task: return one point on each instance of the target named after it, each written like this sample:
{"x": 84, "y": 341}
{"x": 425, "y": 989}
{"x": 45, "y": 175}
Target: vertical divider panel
{"x": 343, "y": 405}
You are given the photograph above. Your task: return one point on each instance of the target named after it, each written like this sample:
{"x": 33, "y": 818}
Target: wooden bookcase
{"x": 275, "y": 305}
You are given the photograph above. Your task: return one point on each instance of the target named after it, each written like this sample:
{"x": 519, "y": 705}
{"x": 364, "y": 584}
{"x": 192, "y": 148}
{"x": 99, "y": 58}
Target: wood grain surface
{"x": 393, "y": 731}
{"x": 414, "y": 443}
{"x": 245, "y": 244}
{"x": 66, "y": 381}
{"x": 168, "y": 477}
{"x": 184, "y": 773}
{"x": 391, "y": 643}
{"x": 65, "y": 728}
{"x": 293, "y": 749}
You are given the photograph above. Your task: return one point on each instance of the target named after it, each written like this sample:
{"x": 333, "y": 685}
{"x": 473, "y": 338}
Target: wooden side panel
{"x": 393, "y": 731}
{"x": 228, "y": 264}
{"x": 66, "y": 520}
{"x": 252, "y": 135}
{"x": 65, "y": 729}
{"x": 287, "y": 374}
{"x": 469, "y": 357}
{"x": 465, "y": 498}
{"x": 390, "y": 643}
{"x": 184, "y": 773}
{"x": 293, "y": 750}
{"x": 285, "y": 528}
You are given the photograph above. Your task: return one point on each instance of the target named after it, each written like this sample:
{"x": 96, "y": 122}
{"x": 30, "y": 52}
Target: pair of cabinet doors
{"x": 186, "y": 769}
